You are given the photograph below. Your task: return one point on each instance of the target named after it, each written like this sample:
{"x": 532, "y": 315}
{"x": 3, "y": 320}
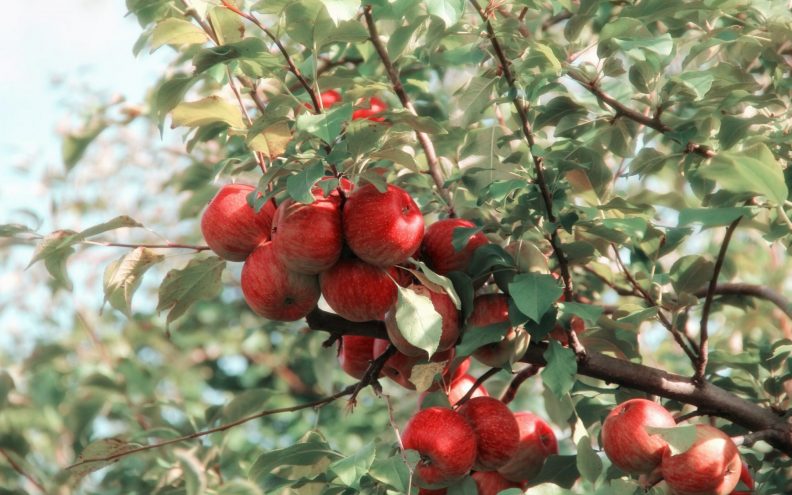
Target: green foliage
{"x": 656, "y": 123}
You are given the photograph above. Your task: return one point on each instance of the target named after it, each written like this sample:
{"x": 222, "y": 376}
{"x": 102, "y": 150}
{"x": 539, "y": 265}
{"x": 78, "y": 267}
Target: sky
{"x": 53, "y": 52}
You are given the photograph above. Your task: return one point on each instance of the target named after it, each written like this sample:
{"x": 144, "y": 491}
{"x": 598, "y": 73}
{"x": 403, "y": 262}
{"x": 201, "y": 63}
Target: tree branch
{"x": 169, "y": 245}
{"x": 432, "y": 160}
{"x": 703, "y": 333}
{"x": 547, "y": 197}
{"x": 479, "y": 381}
{"x": 757, "y": 291}
{"x": 19, "y": 469}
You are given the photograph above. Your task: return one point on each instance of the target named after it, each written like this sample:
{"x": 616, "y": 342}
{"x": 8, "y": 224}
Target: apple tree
{"x": 437, "y": 246}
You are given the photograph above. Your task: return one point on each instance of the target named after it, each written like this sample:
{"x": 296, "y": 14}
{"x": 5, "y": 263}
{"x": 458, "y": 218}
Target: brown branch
{"x": 169, "y": 245}
{"x": 479, "y": 381}
{"x": 432, "y": 160}
{"x": 757, "y": 291}
{"x": 707, "y": 397}
{"x": 19, "y": 469}
{"x": 559, "y": 17}
{"x": 372, "y": 374}
{"x": 547, "y": 197}
{"x": 198, "y": 434}
{"x": 691, "y": 354}
{"x": 691, "y": 415}
{"x": 510, "y": 393}
{"x": 705, "y": 312}
{"x": 653, "y": 122}
{"x": 259, "y": 155}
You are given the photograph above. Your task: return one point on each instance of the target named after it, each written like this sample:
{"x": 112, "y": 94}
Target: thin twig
{"x": 370, "y": 377}
{"x": 698, "y": 378}
{"x": 198, "y": 434}
{"x": 552, "y": 21}
{"x": 480, "y": 381}
{"x": 758, "y": 291}
{"x": 19, "y": 469}
{"x": 691, "y": 415}
{"x": 259, "y": 155}
{"x": 547, "y": 197}
{"x": 432, "y": 160}
{"x": 169, "y": 245}
{"x": 510, "y": 393}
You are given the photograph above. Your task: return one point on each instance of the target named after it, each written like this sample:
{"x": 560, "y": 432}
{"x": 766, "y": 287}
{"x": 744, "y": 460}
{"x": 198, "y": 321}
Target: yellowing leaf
{"x": 174, "y": 31}
{"x": 273, "y": 140}
{"x": 207, "y": 111}
{"x": 122, "y": 277}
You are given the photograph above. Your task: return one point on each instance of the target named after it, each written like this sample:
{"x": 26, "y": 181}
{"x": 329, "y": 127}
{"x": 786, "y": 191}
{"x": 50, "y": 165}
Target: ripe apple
{"x": 446, "y": 443}
{"x": 359, "y": 291}
{"x": 375, "y": 106}
{"x": 231, "y": 227}
{"x": 444, "y": 306}
{"x": 307, "y": 238}
{"x": 383, "y": 229}
{"x": 427, "y": 491}
{"x": 355, "y": 354}
{"x": 496, "y": 429}
{"x": 711, "y": 466}
{"x": 459, "y": 368}
{"x": 460, "y": 386}
{"x": 438, "y": 250}
{"x": 491, "y": 309}
{"x": 625, "y": 440}
{"x": 558, "y": 333}
{"x": 399, "y": 366}
{"x": 492, "y": 483}
{"x": 275, "y": 292}
{"x": 537, "y": 443}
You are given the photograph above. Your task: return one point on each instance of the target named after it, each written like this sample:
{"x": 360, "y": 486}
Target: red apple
{"x": 231, "y": 227}
{"x": 559, "y": 333}
{"x": 460, "y": 386}
{"x": 625, "y": 440}
{"x": 355, "y": 354}
{"x": 307, "y": 237}
{"x": 491, "y": 309}
{"x": 399, "y": 366}
{"x": 492, "y": 483}
{"x": 537, "y": 443}
{"x": 275, "y": 292}
{"x": 375, "y": 106}
{"x": 383, "y": 229}
{"x": 427, "y": 491}
{"x": 359, "y": 291}
{"x": 711, "y": 466}
{"x": 496, "y": 429}
{"x": 438, "y": 251}
{"x": 459, "y": 368}
{"x": 446, "y": 443}
{"x": 444, "y": 306}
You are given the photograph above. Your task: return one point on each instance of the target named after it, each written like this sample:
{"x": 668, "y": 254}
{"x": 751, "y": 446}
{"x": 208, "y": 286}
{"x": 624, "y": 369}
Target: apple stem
{"x": 483, "y": 378}
{"x": 511, "y": 391}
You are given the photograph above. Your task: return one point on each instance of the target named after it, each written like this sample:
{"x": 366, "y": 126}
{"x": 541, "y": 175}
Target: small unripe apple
{"x": 383, "y": 229}
{"x": 625, "y": 439}
{"x": 438, "y": 250}
{"x": 491, "y": 309}
{"x": 711, "y": 466}
{"x": 444, "y": 306}
{"x": 359, "y": 291}
{"x": 307, "y": 238}
{"x": 446, "y": 443}
{"x": 355, "y": 354}
{"x": 496, "y": 429}
{"x": 492, "y": 483}
{"x": 537, "y": 443}
{"x": 375, "y": 107}
{"x": 231, "y": 227}
{"x": 275, "y": 292}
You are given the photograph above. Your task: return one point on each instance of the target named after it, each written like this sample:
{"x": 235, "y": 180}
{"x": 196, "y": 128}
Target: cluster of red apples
{"x": 710, "y": 466}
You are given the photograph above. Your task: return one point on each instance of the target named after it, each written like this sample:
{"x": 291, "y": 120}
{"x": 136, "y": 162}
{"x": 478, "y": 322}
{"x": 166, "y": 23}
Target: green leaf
{"x": 475, "y": 337}
{"x": 753, "y": 170}
{"x": 250, "y": 51}
{"x": 326, "y": 126}
{"x": 247, "y": 402}
{"x": 450, "y": 11}
{"x": 436, "y": 282}
{"x": 417, "y": 320}
{"x": 122, "y": 277}
{"x": 559, "y": 374}
{"x": 560, "y": 470}
{"x": 99, "y": 449}
{"x": 466, "y": 486}
{"x": 170, "y": 93}
{"x": 75, "y": 144}
{"x": 589, "y": 312}
{"x": 300, "y": 454}
{"x": 299, "y": 185}
{"x": 712, "y": 217}
{"x": 679, "y": 438}
{"x": 174, "y": 31}
{"x": 392, "y": 472}
{"x": 200, "y": 279}
{"x": 6, "y": 386}
{"x": 588, "y": 462}
{"x": 534, "y": 294}
{"x": 341, "y": 10}
{"x": 690, "y": 273}
{"x": 475, "y": 99}
{"x": 209, "y": 110}
{"x": 193, "y": 472}
{"x": 350, "y": 470}
{"x": 461, "y": 235}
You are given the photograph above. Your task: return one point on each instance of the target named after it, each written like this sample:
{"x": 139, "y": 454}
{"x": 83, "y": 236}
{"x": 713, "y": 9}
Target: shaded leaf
{"x": 301, "y": 454}
{"x": 326, "y": 126}
{"x": 534, "y": 294}
{"x": 122, "y": 277}
{"x": 679, "y": 438}
{"x": 753, "y": 170}
{"x": 300, "y": 184}
{"x": 560, "y": 470}
{"x": 200, "y": 279}
{"x": 559, "y": 374}
{"x": 351, "y": 469}
{"x": 101, "y": 448}
{"x": 448, "y": 10}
